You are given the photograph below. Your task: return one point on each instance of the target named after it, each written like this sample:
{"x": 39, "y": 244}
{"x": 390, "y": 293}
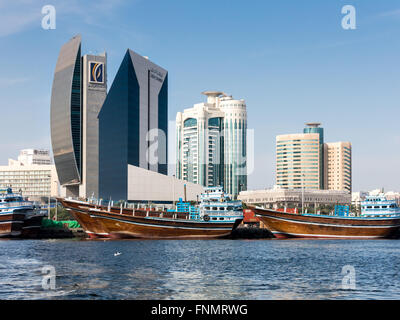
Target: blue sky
{"x": 290, "y": 60}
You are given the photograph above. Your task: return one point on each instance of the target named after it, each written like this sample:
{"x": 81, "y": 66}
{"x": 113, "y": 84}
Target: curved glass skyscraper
{"x": 66, "y": 114}
{"x": 78, "y": 92}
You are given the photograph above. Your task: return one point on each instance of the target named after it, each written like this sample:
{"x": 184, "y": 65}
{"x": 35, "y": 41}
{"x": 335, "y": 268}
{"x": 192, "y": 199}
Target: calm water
{"x": 211, "y": 269}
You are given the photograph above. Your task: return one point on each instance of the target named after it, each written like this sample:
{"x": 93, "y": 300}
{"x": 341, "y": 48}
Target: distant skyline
{"x": 290, "y": 60}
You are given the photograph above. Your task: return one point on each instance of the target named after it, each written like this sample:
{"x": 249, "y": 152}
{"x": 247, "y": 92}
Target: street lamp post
{"x": 56, "y": 218}
{"x": 173, "y": 191}
{"x": 240, "y": 188}
{"x": 48, "y": 206}
{"x": 302, "y": 194}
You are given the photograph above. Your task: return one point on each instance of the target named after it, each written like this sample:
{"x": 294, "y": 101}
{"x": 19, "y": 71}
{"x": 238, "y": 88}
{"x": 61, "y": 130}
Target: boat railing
{"x": 184, "y": 211}
{"x": 15, "y": 204}
{"x": 152, "y": 213}
{"x": 123, "y": 204}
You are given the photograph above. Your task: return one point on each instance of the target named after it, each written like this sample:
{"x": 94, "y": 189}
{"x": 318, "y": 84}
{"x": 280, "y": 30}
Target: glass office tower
{"x": 133, "y": 125}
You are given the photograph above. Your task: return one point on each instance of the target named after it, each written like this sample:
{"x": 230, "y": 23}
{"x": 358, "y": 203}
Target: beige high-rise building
{"x": 303, "y": 160}
{"x": 298, "y": 161}
{"x": 337, "y": 167}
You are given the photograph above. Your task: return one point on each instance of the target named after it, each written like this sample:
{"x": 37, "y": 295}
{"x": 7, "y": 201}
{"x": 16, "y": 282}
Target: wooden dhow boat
{"x": 217, "y": 216}
{"x": 293, "y": 225}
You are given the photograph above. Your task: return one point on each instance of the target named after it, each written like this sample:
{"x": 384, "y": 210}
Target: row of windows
{"x": 299, "y": 185}
{"x": 308, "y": 156}
{"x": 297, "y": 141}
{"x": 297, "y": 171}
{"x": 297, "y": 177}
{"x": 296, "y": 168}
{"x": 219, "y": 208}
{"x": 24, "y": 173}
{"x": 379, "y": 207}
{"x": 288, "y": 179}
{"x": 304, "y": 146}
{"x": 297, "y": 152}
{"x": 305, "y": 163}
{"x": 232, "y": 105}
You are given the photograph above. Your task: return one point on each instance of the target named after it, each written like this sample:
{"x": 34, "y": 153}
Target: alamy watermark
{"x": 49, "y": 20}
{"x": 349, "y": 277}
{"x": 349, "y": 20}
{"x": 49, "y": 278}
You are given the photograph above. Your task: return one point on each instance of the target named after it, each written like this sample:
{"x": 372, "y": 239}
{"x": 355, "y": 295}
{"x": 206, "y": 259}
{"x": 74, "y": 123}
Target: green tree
{"x": 62, "y": 214}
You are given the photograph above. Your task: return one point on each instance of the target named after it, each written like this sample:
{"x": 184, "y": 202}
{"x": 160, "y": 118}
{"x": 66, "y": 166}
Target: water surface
{"x": 200, "y": 269}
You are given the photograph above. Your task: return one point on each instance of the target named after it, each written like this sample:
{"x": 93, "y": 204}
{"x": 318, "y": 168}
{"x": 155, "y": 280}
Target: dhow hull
{"x": 116, "y": 223}
{"x": 290, "y": 225}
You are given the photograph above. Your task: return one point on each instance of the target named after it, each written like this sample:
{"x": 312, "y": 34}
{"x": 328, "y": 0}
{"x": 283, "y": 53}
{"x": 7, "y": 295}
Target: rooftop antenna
{"x": 313, "y": 124}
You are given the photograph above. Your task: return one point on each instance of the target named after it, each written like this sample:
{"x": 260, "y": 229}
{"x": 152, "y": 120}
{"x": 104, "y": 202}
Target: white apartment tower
{"x": 211, "y": 143}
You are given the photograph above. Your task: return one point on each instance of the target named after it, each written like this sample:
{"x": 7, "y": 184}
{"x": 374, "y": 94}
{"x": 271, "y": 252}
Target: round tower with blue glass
{"x": 314, "y": 127}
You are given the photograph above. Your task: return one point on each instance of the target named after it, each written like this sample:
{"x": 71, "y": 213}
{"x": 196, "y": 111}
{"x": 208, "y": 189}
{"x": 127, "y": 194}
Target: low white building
{"x": 147, "y": 185}
{"x": 391, "y": 195}
{"x": 357, "y": 197}
{"x": 279, "y": 197}
{"x": 25, "y": 175}
{"x": 34, "y": 156}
